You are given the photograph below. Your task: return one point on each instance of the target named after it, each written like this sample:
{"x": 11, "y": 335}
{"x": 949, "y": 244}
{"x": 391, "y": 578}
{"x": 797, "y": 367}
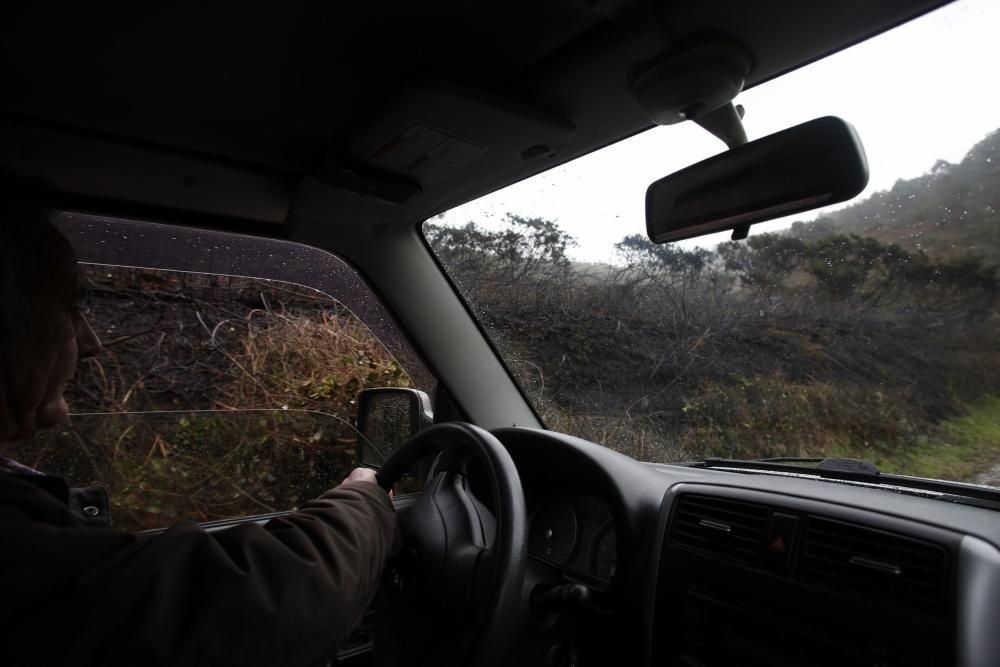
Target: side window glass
{"x": 162, "y": 467}
{"x": 217, "y": 396}
{"x": 189, "y": 341}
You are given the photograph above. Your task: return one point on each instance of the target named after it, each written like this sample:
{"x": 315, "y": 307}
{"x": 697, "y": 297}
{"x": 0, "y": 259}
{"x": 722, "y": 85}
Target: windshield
{"x": 868, "y": 330}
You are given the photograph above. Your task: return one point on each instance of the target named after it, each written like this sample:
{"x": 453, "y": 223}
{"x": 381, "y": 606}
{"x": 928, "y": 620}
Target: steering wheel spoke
{"x": 464, "y": 562}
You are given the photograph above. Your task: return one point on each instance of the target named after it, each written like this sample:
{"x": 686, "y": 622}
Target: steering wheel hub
{"x": 463, "y": 565}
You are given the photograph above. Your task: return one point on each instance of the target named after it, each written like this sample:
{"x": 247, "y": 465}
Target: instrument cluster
{"x": 575, "y": 533}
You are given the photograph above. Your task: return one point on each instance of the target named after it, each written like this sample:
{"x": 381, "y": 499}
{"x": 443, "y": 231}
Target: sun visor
{"x": 113, "y": 170}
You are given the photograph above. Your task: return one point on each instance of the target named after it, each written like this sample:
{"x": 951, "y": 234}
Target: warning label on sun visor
{"x": 424, "y": 153}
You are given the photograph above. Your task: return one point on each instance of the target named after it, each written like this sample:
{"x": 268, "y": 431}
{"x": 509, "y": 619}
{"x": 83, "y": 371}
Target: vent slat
{"x": 741, "y": 543}
{"x": 828, "y": 547}
{"x": 838, "y": 540}
{"x": 749, "y": 542}
{"x": 834, "y": 555}
{"x": 756, "y": 517}
{"x": 842, "y": 555}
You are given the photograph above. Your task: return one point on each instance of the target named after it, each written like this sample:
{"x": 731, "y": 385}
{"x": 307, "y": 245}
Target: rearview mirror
{"x": 388, "y": 417}
{"x": 799, "y": 169}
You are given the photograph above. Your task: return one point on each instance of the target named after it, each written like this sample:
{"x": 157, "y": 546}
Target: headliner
{"x": 189, "y": 106}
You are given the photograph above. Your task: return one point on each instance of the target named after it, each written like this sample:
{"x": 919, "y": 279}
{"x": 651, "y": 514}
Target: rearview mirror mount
{"x": 805, "y": 167}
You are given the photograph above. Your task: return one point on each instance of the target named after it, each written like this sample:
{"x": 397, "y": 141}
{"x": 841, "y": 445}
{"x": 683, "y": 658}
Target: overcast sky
{"x": 926, "y": 91}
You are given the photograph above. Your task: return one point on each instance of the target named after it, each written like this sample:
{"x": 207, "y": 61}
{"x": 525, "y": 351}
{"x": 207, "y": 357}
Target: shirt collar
{"x": 13, "y": 467}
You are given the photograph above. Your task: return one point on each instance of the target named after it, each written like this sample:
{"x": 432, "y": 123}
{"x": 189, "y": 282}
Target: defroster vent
{"x": 874, "y": 564}
{"x": 729, "y": 529}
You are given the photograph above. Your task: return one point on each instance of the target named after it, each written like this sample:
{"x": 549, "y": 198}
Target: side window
{"x": 223, "y": 390}
{"x": 160, "y": 467}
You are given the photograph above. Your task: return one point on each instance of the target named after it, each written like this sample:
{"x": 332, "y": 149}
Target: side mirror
{"x": 388, "y": 417}
{"x": 805, "y": 167}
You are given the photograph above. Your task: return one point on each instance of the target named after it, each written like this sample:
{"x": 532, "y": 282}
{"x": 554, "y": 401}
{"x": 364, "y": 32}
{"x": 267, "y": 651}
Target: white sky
{"x": 928, "y": 90}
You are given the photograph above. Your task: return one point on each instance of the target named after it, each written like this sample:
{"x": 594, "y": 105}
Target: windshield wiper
{"x": 854, "y": 469}
{"x": 859, "y": 470}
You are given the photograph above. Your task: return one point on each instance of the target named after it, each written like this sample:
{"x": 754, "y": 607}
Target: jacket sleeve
{"x": 283, "y": 592}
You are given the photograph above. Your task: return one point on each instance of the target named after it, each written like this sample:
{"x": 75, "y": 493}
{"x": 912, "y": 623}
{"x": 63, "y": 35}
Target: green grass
{"x": 961, "y": 448}
{"x": 785, "y": 419}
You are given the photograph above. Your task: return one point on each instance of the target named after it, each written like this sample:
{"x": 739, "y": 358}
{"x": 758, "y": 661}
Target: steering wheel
{"x": 452, "y": 596}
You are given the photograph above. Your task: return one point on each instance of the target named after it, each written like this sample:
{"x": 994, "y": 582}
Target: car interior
{"x": 345, "y": 126}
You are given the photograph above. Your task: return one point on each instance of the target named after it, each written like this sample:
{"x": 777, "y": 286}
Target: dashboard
{"x": 675, "y": 565}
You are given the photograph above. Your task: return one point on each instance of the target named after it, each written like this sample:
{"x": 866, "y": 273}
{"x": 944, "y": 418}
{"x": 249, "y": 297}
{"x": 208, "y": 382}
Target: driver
{"x": 76, "y": 592}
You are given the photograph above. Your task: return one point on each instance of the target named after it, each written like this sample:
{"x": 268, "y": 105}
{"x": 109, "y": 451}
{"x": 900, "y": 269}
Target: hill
{"x": 947, "y": 212}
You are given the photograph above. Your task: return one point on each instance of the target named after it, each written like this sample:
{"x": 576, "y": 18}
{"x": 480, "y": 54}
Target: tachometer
{"x": 553, "y": 530}
{"x": 604, "y": 553}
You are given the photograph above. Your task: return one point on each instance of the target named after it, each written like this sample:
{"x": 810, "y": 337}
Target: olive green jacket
{"x": 285, "y": 592}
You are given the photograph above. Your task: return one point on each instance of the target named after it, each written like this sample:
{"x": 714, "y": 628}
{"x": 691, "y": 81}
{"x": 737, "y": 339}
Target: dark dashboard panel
{"x": 605, "y": 490}
{"x": 838, "y": 586}
{"x": 802, "y": 571}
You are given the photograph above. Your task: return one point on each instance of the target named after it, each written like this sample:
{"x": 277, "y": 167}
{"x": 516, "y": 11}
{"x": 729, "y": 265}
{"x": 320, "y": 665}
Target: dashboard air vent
{"x": 729, "y": 529}
{"x": 866, "y": 562}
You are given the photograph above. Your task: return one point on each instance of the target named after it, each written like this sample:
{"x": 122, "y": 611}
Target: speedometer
{"x": 553, "y": 530}
{"x": 604, "y": 553}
